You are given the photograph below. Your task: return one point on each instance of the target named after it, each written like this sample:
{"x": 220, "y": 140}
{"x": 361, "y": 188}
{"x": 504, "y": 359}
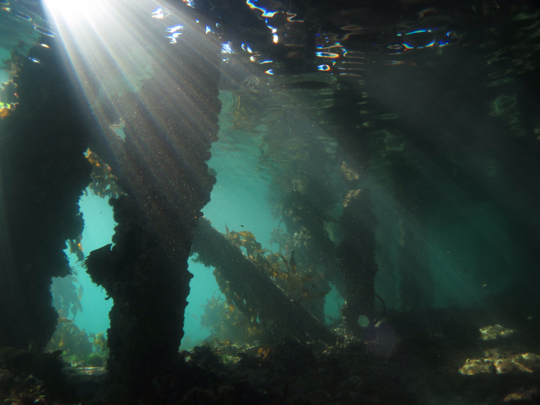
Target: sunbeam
{"x": 114, "y": 50}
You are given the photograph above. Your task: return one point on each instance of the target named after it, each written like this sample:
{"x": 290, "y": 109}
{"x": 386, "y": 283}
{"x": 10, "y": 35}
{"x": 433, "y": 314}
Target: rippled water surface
{"x": 432, "y": 109}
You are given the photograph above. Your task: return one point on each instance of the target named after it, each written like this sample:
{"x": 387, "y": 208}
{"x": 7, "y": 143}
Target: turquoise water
{"x": 437, "y": 119}
{"x": 239, "y": 200}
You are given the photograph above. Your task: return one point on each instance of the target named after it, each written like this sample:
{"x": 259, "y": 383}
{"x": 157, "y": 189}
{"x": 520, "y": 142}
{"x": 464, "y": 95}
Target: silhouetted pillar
{"x": 356, "y": 254}
{"x": 161, "y": 168}
{"x": 42, "y": 174}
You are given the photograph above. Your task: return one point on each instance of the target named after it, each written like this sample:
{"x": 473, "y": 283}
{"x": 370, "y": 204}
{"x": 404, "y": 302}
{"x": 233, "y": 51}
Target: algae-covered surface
{"x": 269, "y": 202}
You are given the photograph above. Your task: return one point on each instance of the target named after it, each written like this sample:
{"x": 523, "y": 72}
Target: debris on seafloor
{"x": 532, "y": 394}
{"x": 526, "y": 362}
{"x": 494, "y": 332}
{"x": 499, "y": 361}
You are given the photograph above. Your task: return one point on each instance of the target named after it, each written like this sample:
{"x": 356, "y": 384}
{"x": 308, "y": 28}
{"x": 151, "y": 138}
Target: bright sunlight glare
{"x": 74, "y": 10}
{"x": 133, "y": 63}
{"x": 128, "y": 61}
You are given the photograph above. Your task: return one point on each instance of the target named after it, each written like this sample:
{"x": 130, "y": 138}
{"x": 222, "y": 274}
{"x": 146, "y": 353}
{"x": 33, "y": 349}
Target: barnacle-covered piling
{"x": 42, "y": 175}
{"x": 162, "y": 172}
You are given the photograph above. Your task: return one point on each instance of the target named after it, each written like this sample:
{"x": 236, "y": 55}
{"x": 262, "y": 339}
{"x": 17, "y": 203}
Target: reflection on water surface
{"x": 366, "y": 173}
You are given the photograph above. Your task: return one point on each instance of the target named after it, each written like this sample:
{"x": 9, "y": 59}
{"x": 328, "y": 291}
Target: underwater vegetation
{"x": 228, "y": 324}
{"x": 77, "y": 347}
{"x": 75, "y": 246}
{"x": 246, "y": 113}
{"x": 281, "y": 238}
{"x": 329, "y": 209}
{"x": 15, "y": 390}
{"x": 26, "y": 376}
{"x": 245, "y": 280}
{"x": 74, "y": 343}
{"x": 104, "y": 183}
{"x": 6, "y": 109}
{"x": 66, "y": 296}
{"x": 298, "y": 282}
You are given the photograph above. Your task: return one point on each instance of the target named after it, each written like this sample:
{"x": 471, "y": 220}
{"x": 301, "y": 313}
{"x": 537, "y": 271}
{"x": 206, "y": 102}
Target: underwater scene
{"x": 277, "y": 202}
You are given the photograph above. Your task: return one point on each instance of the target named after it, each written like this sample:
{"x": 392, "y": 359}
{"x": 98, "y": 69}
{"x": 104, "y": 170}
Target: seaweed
{"x": 104, "y": 183}
{"x": 66, "y": 296}
{"x": 228, "y": 324}
{"x": 17, "y": 390}
{"x": 298, "y": 284}
{"x": 73, "y": 342}
{"x": 245, "y": 280}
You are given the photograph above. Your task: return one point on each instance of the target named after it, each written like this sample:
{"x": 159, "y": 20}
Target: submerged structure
{"x": 399, "y": 143}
